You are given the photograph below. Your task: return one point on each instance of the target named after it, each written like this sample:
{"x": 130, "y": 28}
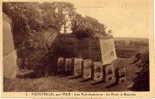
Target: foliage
{"x": 87, "y": 26}
{"x": 34, "y": 23}
{"x": 141, "y": 82}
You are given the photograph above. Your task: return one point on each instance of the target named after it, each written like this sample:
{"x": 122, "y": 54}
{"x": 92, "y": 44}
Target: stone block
{"x": 98, "y": 72}
{"x": 87, "y": 69}
{"x": 78, "y": 66}
{"x": 68, "y": 65}
{"x": 110, "y": 74}
{"x": 61, "y": 65}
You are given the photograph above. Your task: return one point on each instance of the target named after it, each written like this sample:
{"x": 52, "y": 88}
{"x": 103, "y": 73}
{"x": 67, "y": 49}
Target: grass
{"x": 55, "y": 83}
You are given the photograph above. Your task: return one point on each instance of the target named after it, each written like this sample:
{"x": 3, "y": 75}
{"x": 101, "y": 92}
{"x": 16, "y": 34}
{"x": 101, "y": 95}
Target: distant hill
{"x": 131, "y": 39}
{"x": 127, "y": 47}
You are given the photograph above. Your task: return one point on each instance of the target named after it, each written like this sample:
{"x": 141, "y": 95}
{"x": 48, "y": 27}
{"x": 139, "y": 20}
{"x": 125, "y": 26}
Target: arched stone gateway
{"x": 9, "y": 51}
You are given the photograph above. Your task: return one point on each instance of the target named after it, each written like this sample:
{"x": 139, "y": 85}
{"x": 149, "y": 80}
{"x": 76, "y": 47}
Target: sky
{"x": 126, "y": 18}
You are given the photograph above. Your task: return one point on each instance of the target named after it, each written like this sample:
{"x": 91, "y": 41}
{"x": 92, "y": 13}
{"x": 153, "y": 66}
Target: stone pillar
{"x": 98, "y": 72}
{"x": 108, "y": 53}
{"x": 68, "y": 65}
{"x": 78, "y": 66}
{"x": 9, "y": 52}
{"x": 110, "y": 76}
{"x": 61, "y": 65}
{"x": 87, "y": 69}
{"x": 121, "y": 75}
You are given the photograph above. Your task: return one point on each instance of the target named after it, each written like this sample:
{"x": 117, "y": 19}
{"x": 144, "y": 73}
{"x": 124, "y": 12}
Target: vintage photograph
{"x": 68, "y": 46}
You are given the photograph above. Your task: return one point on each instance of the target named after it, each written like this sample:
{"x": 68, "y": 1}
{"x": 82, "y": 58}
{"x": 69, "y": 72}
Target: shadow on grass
{"x": 29, "y": 75}
{"x": 33, "y": 75}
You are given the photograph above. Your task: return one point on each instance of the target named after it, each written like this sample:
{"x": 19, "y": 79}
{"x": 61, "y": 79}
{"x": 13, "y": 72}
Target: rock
{"x": 68, "y": 66}
{"x": 61, "y": 65}
{"x": 87, "y": 69}
{"x": 78, "y": 66}
{"x": 98, "y": 72}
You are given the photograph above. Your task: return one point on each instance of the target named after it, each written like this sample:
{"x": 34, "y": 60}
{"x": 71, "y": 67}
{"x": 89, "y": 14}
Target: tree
{"x": 87, "y": 26}
{"x": 34, "y": 26}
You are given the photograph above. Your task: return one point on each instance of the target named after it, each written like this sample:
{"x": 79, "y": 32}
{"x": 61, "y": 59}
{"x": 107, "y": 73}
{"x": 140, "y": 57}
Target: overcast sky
{"x": 126, "y": 18}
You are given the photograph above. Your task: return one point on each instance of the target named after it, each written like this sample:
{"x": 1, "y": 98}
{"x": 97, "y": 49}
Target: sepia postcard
{"x": 76, "y": 49}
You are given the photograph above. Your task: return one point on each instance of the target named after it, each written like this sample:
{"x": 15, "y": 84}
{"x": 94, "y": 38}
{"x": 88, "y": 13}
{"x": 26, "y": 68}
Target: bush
{"x": 34, "y": 23}
{"x": 141, "y": 82}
